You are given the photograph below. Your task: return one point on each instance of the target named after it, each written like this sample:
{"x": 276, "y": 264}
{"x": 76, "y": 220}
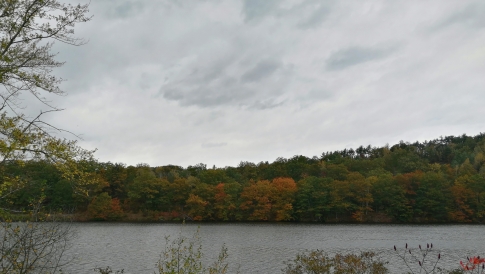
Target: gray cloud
{"x": 316, "y": 18}
{"x": 355, "y": 55}
{"x": 125, "y": 9}
{"x": 319, "y": 94}
{"x": 229, "y": 81}
{"x": 262, "y": 70}
{"x": 472, "y": 16}
{"x": 207, "y": 97}
{"x": 173, "y": 94}
{"x": 267, "y": 104}
{"x": 256, "y": 9}
{"x": 307, "y": 14}
{"x": 206, "y": 87}
{"x": 213, "y": 145}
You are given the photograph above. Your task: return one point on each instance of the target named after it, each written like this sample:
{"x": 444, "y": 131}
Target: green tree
{"x": 177, "y": 193}
{"x": 340, "y": 197}
{"x": 433, "y": 197}
{"x": 145, "y": 190}
{"x": 336, "y": 171}
{"x": 312, "y": 202}
{"x": 403, "y": 159}
{"x": 389, "y": 198}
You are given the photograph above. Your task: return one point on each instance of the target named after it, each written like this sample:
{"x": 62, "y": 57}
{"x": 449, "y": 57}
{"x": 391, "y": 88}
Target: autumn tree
{"x": 410, "y": 183}
{"x": 269, "y": 201}
{"x": 28, "y": 29}
{"x": 461, "y": 209}
{"x": 196, "y": 208}
{"x": 256, "y": 202}
{"x": 104, "y": 208}
{"x": 360, "y": 190}
{"x": 222, "y": 203}
{"x": 199, "y": 205}
{"x": 283, "y": 198}
{"x": 226, "y": 201}
{"x": 177, "y": 193}
{"x": 116, "y": 177}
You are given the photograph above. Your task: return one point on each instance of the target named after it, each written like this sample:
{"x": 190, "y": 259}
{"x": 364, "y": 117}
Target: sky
{"x": 218, "y": 82}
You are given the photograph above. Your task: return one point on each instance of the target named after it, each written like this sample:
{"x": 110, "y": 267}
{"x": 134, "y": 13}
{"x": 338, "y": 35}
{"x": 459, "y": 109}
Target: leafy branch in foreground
{"x": 27, "y": 31}
{"x": 22, "y": 141}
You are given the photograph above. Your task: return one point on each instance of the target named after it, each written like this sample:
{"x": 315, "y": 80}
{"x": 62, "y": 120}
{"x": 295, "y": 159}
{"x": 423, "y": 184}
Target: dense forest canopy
{"x": 441, "y": 180}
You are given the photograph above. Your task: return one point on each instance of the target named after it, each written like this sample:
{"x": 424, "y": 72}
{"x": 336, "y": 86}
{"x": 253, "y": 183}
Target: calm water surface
{"x": 263, "y": 248}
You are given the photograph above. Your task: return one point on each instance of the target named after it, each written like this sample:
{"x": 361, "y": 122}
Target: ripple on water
{"x": 262, "y": 248}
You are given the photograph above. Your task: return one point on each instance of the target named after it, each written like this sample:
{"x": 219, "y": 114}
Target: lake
{"x": 263, "y": 247}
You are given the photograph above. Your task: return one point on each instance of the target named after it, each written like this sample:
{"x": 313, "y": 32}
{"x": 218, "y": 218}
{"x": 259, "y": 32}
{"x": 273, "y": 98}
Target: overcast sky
{"x": 223, "y": 81}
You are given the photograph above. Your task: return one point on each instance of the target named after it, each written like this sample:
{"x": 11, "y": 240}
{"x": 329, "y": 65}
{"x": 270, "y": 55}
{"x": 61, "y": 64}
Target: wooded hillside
{"x": 442, "y": 180}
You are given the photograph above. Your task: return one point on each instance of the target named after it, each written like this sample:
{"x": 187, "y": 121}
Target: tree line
{"x": 441, "y": 180}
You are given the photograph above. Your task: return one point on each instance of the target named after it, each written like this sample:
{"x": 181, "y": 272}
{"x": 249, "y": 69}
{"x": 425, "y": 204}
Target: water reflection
{"x": 262, "y": 248}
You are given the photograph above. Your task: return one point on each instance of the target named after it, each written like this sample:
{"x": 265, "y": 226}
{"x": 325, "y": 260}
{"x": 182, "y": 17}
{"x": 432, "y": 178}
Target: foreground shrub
{"x": 184, "y": 256}
{"x": 318, "y": 262}
{"x": 425, "y": 260}
{"x": 420, "y": 260}
{"x": 108, "y": 270}
{"x": 33, "y": 247}
{"x": 474, "y": 265}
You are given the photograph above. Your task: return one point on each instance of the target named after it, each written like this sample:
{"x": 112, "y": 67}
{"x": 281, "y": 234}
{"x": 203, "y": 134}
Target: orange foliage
{"x": 116, "y": 212}
{"x": 269, "y": 201}
{"x": 104, "y": 208}
{"x": 283, "y": 198}
{"x": 196, "y": 207}
{"x": 223, "y": 203}
{"x": 462, "y": 211}
{"x": 410, "y": 182}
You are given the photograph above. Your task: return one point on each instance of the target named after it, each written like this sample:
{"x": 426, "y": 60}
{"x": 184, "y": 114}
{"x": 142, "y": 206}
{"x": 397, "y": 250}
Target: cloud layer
{"x": 219, "y": 82}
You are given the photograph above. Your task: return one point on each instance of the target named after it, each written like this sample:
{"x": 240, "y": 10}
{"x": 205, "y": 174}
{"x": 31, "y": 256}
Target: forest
{"x": 436, "y": 181}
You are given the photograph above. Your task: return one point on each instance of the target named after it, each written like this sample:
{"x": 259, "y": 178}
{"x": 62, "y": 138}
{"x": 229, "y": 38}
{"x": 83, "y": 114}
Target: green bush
{"x": 318, "y": 262}
{"x": 184, "y": 255}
